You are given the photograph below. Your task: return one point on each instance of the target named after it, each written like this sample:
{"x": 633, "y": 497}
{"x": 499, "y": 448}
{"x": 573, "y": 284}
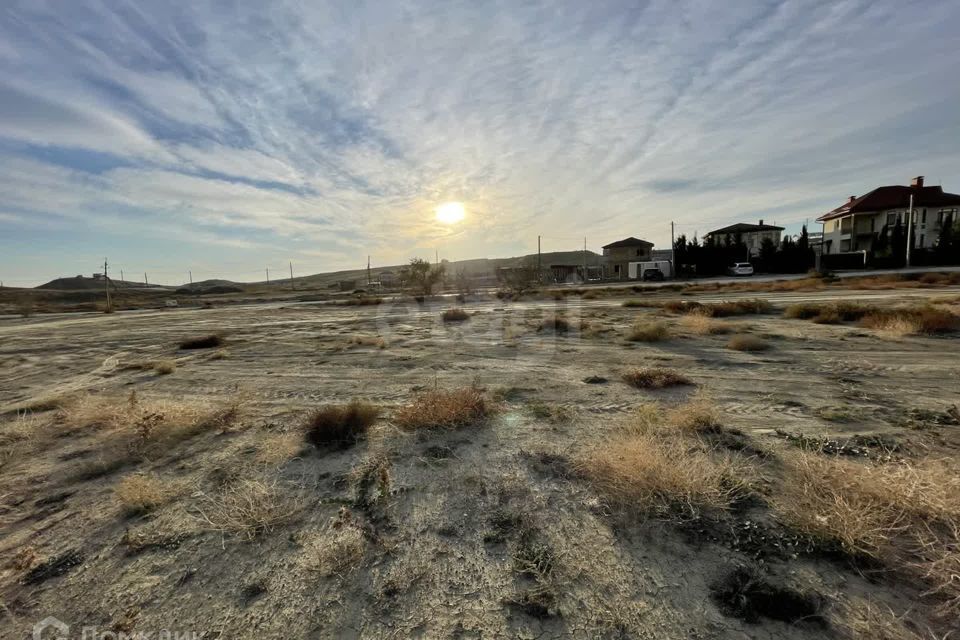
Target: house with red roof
{"x": 857, "y": 223}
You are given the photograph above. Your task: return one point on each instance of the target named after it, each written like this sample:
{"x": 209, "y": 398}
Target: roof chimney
{"x": 761, "y": 222}
{"x": 917, "y": 182}
{"x": 852, "y": 198}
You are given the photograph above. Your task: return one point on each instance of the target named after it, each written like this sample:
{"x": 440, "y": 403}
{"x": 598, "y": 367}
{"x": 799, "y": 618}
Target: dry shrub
{"x": 363, "y": 301}
{"x": 368, "y": 341}
{"x": 554, "y": 324}
{"x": 704, "y": 325}
{"x": 340, "y": 425}
{"x": 23, "y": 426}
{"x": 827, "y": 316}
{"x": 141, "y": 493}
{"x": 634, "y": 303}
{"x": 745, "y": 342}
{"x": 165, "y": 367}
{"x": 719, "y": 309}
{"x": 828, "y": 313}
{"x": 648, "y": 332}
{"x": 802, "y": 310}
{"x": 203, "y": 342}
{"x": 912, "y": 320}
{"x": 739, "y": 308}
{"x": 934, "y": 278}
{"x": 276, "y": 448}
{"x": 336, "y": 550}
{"x": 655, "y": 378}
{"x": 455, "y": 315}
{"x": 904, "y": 515}
{"x": 860, "y": 619}
{"x": 220, "y": 354}
{"x": 652, "y": 466}
{"x": 250, "y": 507}
{"x": 445, "y": 409}
{"x": 143, "y": 426}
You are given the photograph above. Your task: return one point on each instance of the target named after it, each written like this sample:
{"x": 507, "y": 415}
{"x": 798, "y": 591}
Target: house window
{"x": 923, "y": 217}
{"x": 845, "y": 245}
{"x": 638, "y": 252}
{"x": 616, "y": 268}
{"x": 921, "y": 241}
{"x": 891, "y": 219}
{"x": 872, "y": 224}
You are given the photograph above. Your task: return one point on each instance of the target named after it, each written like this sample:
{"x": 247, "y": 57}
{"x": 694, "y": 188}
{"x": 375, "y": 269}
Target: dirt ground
{"x": 439, "y": 554}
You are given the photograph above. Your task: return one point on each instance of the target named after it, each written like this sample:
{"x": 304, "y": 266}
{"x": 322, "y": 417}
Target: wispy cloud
{"x": 318, "y": 133}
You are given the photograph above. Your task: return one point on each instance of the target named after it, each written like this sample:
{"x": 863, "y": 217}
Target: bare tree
{"x": 422, "y": 276}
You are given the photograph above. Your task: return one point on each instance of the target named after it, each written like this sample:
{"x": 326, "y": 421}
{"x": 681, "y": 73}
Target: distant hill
{"x": 211, "y": 286}
{"x": 474, "y": 267}
{"x": 82, "y": 283}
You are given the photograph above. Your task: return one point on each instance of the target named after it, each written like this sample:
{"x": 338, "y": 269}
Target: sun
{"x": 451, "y": 212}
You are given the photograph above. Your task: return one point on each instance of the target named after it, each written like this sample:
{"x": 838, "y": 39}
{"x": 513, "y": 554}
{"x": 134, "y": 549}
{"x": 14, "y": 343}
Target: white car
{"x": 740, "y": 269}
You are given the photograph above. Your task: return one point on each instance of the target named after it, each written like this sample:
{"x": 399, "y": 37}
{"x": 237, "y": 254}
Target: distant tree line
{"x": 714, "y": 257}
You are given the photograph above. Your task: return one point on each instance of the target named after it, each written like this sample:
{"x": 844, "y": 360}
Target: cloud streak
{"x": 317, "y": 133}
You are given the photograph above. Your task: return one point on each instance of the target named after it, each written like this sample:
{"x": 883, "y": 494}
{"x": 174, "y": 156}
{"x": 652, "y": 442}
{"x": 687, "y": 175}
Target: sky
{"x": 230, "y": 137}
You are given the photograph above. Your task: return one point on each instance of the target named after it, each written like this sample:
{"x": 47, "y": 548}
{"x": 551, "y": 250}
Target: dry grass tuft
{"x": 362, "y": 301}
{"x": 745, "y": 342}
{"x": 455, "y": 315}
{"x": 912, "y": 320}
{"x": 904, "y": 515}
{"x": 655, "y": 378}
{"x": 142, "y": 493}
{"x": 647, "y": 471}
{"x": 368, "y": 341}
{"x": 165, "y": 367}
{"x": 250, "y": 507}
{"x": 648, "y": 332}
{"x": 445, "y": 409}
{"x": 704, "y": 325}
{"x": 203, "y": 342}
{"x": 277, "y": 448}
{"x": 554, "y": 324}
{"x": 663, "y": 461}
{"x": 22, "y": 426}
{"x": 220, "y": 354}
{"x": 340, "y": 425}
{"x": 338, "y": 549}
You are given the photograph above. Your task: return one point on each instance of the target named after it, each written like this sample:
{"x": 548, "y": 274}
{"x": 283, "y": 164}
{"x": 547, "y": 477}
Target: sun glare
{"x": 450, "y": 212}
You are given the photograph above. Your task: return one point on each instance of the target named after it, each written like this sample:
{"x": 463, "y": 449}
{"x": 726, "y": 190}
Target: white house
{"x": 857, "y": 223}
{"x": 752, "y": 235}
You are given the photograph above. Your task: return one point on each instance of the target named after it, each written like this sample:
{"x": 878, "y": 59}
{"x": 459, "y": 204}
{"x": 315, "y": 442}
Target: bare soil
{"x": 482, "y": 531}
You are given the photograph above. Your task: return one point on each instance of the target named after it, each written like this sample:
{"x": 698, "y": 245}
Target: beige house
{"x": 751, "y": 235}
{"x": 857, "y": 223}
{"x": 618, "y": 255}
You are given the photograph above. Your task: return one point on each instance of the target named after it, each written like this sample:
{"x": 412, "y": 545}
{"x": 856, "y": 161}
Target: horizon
{"x": 176, "y": 139}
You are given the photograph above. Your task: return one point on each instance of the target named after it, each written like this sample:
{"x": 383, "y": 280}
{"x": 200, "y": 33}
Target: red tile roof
{"x": 894, "y": 197}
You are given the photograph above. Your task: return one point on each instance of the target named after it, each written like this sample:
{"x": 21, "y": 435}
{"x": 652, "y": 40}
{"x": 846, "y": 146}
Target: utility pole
{"x": 145, "y": 278}
{"x": 909, "y": 229}
{"x": 673, "y": 253}
{"x": 106, "y": 280}
{"x": 539, "y": 266}
{"x": 121, "y": 275}
{"x": 436, "y": 256}
{"x": 190, "y": 275}
{"x": 584, "y": 259}
{"x": 291, "y": 275}
{"x": 268, "y": 275}
{"x": 368, "y": 271}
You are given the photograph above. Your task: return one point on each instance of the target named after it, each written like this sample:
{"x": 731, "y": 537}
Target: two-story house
{"x": 856, "y": 224}
{"x": 751, "y": 235}
{"x": 618, "y": 255}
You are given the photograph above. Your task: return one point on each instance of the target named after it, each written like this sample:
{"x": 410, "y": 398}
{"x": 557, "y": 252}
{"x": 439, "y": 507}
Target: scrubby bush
{"x": 340, "y": 425}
